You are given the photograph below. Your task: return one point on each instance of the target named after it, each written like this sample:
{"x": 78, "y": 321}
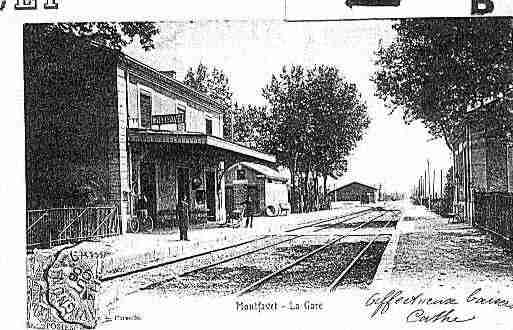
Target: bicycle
{"x": 141, "y": 222}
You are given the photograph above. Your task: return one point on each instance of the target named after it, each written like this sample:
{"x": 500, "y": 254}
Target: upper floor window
{"x": 145, "y": 107}
{"x": 180, "y": 109}
{"x": 208, "y": 126}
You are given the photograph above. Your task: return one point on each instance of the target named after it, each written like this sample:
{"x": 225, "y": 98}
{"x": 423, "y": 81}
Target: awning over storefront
{"x": 187, "y": 138}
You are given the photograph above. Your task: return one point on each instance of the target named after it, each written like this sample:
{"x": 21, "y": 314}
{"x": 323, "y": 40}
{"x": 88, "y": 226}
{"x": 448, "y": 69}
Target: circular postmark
{"x": 73, "y": 285}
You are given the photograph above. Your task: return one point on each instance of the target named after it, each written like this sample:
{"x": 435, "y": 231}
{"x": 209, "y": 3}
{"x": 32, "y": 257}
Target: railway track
{"x": 254, "y": 286}
{"x": 346, "y": 217}
{"x": 274, "y": 244}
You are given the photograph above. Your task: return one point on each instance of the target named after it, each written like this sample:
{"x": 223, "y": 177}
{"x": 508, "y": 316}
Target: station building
{"x": 104, "y": 128}
{"x": 354, "y": 191}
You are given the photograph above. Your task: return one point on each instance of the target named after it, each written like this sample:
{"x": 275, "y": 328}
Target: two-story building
{"x": 99, "y": 120}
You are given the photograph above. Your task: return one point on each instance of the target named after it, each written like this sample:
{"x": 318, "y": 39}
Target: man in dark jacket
{"x": 249, "y": 210}
{"x": 183, "y": 218}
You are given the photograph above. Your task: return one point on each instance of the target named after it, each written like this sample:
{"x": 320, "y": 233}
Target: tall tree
{"x": 286, "y": 126}
{"x": 340, "y": 119}
{"x": 316, "y": 118}
{"x": 215, "y": 83}
{"x": 436, "y": 68}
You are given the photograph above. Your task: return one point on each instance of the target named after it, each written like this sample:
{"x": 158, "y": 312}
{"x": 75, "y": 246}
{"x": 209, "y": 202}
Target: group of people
{"x": 184, "y": 216}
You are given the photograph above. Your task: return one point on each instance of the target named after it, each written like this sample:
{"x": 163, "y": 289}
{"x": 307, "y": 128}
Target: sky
{"x": 391, "y": 154}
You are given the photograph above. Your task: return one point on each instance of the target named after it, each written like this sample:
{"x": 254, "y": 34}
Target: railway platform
{"x": 427, "y": 251}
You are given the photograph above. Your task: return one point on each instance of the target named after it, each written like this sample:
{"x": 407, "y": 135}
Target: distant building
{"x": 266, "y": 186}
{"x": 354, "y": 191}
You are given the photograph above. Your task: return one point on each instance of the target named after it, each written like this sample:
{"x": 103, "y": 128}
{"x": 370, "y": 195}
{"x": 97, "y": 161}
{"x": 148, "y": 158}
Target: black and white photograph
{"x": 348, "y": 168}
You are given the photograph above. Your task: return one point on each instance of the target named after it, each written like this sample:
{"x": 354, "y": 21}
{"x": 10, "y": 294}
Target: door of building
{"x": 255, "y": 198}
{"x": 183, "y": 183}
{"x": 210, "y": 186}
{"x": 149, "y": 186}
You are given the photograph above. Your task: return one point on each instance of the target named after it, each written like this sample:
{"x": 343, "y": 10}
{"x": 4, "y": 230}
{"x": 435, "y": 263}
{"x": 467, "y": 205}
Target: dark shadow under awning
{"x": 188, "y": 138}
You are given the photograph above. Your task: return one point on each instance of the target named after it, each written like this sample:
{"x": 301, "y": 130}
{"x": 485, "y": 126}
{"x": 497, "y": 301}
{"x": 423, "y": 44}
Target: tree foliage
{"x": 316, "y": 116}
{"x": 316, "y": 119}
{"x": 249, "y": 125}
{"x": 215, "y": 83}
{"x": 436, "y": 68}
{"x": 339, "y": 113}
{"x": 110, "y": 34}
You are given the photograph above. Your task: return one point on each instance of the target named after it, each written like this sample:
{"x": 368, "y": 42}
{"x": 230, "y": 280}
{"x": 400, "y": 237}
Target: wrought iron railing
{"x": 51, "y": 227}
{"x": 493, "y": 212}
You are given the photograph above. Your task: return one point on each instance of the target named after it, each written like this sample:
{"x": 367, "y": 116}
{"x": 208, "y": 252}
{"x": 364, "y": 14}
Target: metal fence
{"x": 493, "y": 212}
{"x": 51, "y": 227}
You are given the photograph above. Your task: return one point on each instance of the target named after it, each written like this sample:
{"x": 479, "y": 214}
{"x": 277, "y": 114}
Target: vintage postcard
{"x": 347, "y": 165}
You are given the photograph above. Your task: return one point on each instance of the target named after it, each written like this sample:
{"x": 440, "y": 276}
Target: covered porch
{"x": 168, "y": 166}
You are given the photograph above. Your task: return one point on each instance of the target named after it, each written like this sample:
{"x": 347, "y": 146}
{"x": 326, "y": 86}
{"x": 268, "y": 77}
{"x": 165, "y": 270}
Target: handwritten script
{"x": 381, "y": 303}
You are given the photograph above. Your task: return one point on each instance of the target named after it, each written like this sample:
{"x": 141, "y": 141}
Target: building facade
{"x": 104, "y": 128}
{"x": 267, "y": 187}
{"x": 354, "y": 191}
{"x": 483, "y": 155}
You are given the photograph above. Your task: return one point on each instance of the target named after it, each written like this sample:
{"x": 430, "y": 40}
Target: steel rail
{"x": 167, "y": 280}
{"x": 313, "y": 223}
{"x": 190, "y": 272}
{"x": 173, "y": 261}
{"x": 166, "y": 263}
{"x": 258, "y": 283}
{"x": 339, "y": 278}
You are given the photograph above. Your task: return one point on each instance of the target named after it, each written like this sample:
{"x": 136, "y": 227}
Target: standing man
{"x": 249, "y": 210}
{"x": 183, "y": 218}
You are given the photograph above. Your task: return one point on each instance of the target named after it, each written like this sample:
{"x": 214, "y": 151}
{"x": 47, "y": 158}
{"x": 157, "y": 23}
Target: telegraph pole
{"x": 429, "y": 183}
{"x": 434, "y": 180}
{"x": 441, "y": 184}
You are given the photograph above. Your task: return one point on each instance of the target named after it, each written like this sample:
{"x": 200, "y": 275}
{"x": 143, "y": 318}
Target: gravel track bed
{"x": 135, "y": 281}
{"x": 374, "y": 224}
{"x": 362, "y": 274}
{"x": 233, "y": 276}
{"x": 314, "y": 273}
{"x": 339, "y": 223}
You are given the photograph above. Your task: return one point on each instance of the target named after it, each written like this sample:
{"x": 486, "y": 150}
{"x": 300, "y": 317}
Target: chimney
{"x": 170, "y": 73}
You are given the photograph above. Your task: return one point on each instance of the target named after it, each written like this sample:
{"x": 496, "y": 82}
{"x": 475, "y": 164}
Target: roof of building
{"x": 180, "y": 87}
{"x": 191, "y": 138}
{"x": 265, "y": 171}
{"x": 354, "y": 183}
